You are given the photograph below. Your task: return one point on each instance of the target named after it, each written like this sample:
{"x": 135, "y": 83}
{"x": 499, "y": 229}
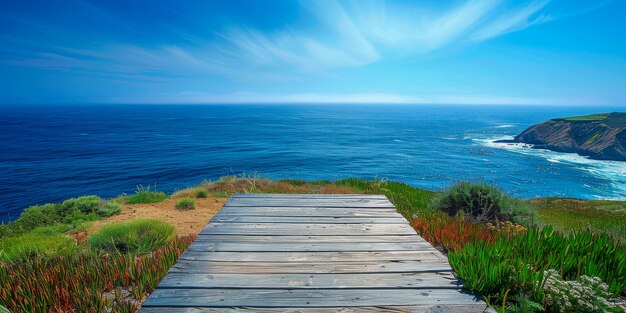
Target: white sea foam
{"x": 614, "y": 171}
{"x": 505, "y": 126}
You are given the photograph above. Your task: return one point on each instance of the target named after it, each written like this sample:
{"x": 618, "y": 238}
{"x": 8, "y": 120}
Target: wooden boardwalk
{"x": 310, "y": 253}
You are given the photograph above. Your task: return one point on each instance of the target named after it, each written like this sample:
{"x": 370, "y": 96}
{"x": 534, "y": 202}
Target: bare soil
{"x": 188, "y": 222}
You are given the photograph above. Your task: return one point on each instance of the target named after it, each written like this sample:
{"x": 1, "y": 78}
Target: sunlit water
{"x": 52, "y": 153}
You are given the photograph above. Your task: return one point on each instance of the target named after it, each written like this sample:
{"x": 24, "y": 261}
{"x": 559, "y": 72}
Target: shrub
{"x": 138, "y": 236}
{"x": 202, "y": 193}
{"x": 85, "y": 204}
{"x": 36, "y": 244}
{"x": 186, "y": 204}
{"x": 587, "y": 294}
{"x": 35, "y": 216}
{"x": 109, "y": 209}
{"x": 76, "y": 218}
{"x": 145, "y": 195}
{"x": 475, "y": 202}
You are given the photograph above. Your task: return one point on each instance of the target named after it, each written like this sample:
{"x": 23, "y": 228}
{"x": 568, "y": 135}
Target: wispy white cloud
{"x": 425, "y": 30}
{"x": 512, "y": 21}
{"x": 345, "y": 35}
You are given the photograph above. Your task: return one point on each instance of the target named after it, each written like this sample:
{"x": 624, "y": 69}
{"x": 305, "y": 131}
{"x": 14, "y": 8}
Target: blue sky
{"x": 560, "y": 52}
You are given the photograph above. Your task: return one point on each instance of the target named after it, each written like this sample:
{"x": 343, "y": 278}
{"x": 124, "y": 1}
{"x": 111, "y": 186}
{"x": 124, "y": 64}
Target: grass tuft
{"x": 202, "y": 193}
{"x": 43, "y": 243}
{"x": 138, "y": 236}
{"x": 146, "y": 195}
{"x": 186, "y": 204}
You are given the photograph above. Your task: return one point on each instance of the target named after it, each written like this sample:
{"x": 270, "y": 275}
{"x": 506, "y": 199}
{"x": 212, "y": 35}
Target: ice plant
{"x": 83, "y": 282}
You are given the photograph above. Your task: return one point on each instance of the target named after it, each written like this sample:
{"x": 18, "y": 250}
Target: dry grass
{"x": 234, "y": 184}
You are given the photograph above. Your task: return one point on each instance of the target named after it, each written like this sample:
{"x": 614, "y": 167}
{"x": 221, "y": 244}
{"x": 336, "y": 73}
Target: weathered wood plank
{"x": 310, "y": 253}
{"x": 238, "y": 218}
{"x": 309, "y": 239}
{"x": 211, "y": 246}
{"x": 305, "y": 298}
{"x": 427, "y": 308}
{"x": 354, "y": 267}
{"x": 308, "y": 196}
{"x": 428, "y": 280}
{"x": 308, "y": 211}
{"x": 322, "y": 202}
{"x": 312, "y": 256}
{"x": 307, "y": 229}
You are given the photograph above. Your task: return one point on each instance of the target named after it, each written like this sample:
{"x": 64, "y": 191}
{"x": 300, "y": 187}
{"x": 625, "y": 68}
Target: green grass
{"x": 408, "y": 200}
{"x": 109, "y": 209}
{"x": 569, "y": 215}
{"x": 220, "y": 194}
{"x": 138, "y": 236}
{"x": 202, "y": 193}
{"x": 186, "y": 204}
{"x": 615, "y": 119}
{"x": 44, "y": 242}
{"x": 146, "y": 195}
{"x": 591, "y": 117}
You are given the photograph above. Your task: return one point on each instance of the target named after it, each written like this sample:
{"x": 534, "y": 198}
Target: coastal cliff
{"x": 597, "y": 136}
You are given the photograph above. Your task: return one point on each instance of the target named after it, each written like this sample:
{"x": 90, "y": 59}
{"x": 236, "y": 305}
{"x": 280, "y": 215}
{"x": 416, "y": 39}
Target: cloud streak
{"x": 345, "y": 35}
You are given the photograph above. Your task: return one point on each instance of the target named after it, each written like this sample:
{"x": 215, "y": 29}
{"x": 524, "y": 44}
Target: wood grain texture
{"x": 291, "y": 257}
{"x": 239, "y": 218}
{"x": 308, "y": 239}
{"x": 321, "y": 202}
{"x": 427, "y": 266}
{"x": 305, "y": 297}
{"x": 309, "y": 212}
{"x": 431, "y": 280}
{"x": 287, "y": 229}
{"x": 310, "y": 253}
{"x": 308, "y": 196}
{"x": 211, "y": 246}
{"x": 418, "y": 308}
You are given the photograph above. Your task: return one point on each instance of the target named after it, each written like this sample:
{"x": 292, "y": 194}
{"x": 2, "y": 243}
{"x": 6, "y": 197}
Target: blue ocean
{"x": 50, "y": 153}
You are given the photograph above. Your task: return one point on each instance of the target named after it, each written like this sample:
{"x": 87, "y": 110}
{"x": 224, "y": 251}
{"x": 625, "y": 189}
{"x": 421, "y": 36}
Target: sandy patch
{"x": 189, "y": 222}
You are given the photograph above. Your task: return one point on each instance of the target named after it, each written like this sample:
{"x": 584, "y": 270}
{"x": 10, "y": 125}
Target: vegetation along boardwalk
{"x": 310, "y": 253}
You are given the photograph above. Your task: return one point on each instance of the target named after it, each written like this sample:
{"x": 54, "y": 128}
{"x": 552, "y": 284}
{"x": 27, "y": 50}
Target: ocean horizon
{"x": 51, "y": 153}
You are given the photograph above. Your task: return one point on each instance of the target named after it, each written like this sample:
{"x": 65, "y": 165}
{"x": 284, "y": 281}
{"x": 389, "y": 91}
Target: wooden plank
{"x": 427, "y": 280}
{"x": 308, "y": 211}
{"x": 305, "y": 298}
{"x": 307, "y": 229}
{"x": 238, "y": 218}
{"x": 308, "y": 196}
{"x": 336, "y": 257}
{"x": 211, "y": 246}
{"x": 323, "y": 202}
{"x": 354, "y": 267}
{"x": 422, "y": 308}
{"x": 313, "y": 253}
{"x": 309, "y": 239}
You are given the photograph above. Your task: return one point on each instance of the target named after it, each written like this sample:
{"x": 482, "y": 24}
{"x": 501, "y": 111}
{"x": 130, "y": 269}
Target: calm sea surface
{"x": 51, "y": 153}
